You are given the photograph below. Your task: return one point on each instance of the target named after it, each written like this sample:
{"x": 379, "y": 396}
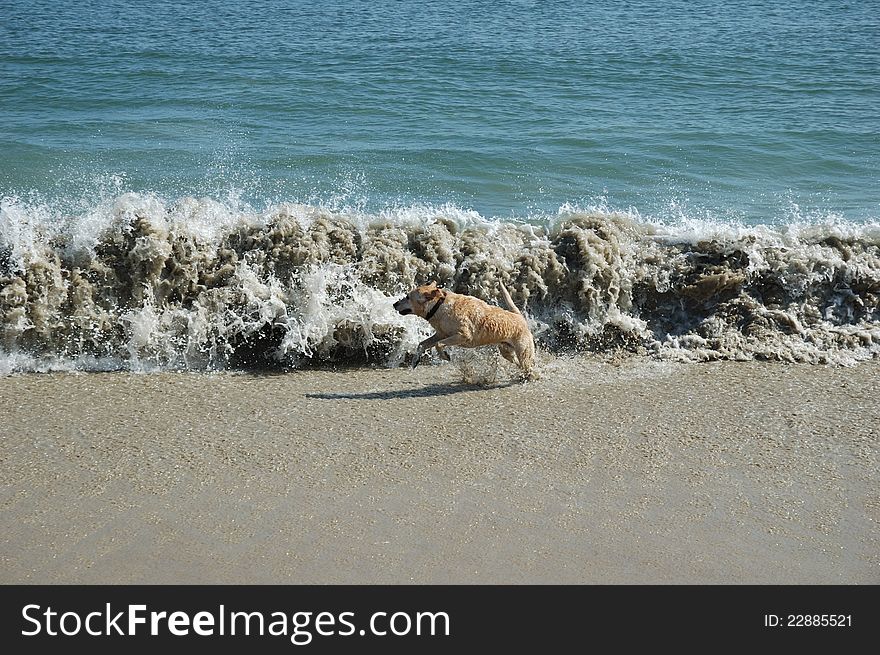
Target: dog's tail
{"x": 505, "y": 295}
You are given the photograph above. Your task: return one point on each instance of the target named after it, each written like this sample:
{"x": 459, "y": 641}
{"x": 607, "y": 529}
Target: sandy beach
{"x": 642, "y": 472}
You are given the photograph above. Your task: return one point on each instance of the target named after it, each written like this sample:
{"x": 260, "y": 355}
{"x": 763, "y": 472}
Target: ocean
{"x": 217, "y": 184}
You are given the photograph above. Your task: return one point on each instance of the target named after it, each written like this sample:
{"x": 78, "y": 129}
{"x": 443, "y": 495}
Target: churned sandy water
{"x": 644, "y": 472}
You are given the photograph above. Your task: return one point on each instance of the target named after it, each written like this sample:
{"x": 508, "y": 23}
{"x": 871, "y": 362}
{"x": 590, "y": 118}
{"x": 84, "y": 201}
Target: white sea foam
{"x": 139, "y": 282}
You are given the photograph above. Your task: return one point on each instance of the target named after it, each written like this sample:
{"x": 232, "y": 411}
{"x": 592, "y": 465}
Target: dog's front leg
{"x": 430, "y": 342}
{"x": 442, "y": 352}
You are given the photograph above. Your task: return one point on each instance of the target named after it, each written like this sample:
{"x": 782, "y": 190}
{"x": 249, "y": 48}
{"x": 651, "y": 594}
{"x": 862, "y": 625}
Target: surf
{"x": 139, "y": 282}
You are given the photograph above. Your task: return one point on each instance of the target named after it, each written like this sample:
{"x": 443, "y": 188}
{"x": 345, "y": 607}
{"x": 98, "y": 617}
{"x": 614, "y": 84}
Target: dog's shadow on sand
{"x": 431, "y": 390}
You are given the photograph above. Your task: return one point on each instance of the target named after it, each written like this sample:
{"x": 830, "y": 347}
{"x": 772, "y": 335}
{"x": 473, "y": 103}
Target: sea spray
{"x": 140, "y": 283}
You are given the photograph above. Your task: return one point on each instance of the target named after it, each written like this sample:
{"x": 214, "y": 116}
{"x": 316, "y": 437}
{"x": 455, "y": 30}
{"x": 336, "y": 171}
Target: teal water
{"x": 759, "y": 112}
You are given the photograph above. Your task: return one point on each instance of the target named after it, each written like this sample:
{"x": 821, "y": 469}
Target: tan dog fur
{"x": 469, "y": 322}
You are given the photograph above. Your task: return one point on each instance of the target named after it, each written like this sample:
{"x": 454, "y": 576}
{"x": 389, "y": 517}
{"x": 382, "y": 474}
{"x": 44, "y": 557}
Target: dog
{"x": 469, "y": 322}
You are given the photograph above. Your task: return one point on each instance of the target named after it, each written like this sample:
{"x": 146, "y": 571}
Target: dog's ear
{"x": 434, "y": 293}
{"x": 432, "y": 284}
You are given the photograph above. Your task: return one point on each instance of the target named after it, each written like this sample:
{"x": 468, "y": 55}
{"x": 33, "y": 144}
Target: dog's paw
{"x": 529, "y": 376}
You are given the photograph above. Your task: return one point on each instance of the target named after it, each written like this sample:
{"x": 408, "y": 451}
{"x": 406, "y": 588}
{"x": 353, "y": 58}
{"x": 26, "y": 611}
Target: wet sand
{"x": 644, "y": 472}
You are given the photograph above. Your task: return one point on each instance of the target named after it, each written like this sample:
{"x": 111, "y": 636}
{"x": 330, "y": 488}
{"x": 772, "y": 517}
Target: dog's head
{"x": 419, "y": 300}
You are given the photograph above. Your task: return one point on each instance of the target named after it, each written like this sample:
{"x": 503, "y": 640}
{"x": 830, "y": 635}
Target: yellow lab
{"x": 469, "y": 322}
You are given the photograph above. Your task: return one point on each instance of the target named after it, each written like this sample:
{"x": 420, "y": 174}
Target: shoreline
{"x": 646, "y": 472}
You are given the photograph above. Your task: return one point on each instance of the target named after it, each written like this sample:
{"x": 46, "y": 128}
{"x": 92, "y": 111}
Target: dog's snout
{"x": 401, "y": 307}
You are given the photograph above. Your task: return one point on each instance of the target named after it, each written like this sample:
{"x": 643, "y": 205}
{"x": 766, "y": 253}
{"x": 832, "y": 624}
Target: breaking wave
{"x": 140, "y": 283}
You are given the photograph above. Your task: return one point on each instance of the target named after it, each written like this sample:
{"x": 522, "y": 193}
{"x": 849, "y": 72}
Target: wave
{"x": 139, "y": 283}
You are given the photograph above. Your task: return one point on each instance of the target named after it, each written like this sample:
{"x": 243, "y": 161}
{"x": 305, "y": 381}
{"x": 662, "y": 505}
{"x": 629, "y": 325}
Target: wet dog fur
{"x": 461, "y": 320}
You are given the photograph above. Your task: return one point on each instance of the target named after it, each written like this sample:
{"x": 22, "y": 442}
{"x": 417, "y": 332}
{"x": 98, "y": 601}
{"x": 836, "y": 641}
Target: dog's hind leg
{"x": 525, "y": 353}
{"x": 508, "y": 353}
